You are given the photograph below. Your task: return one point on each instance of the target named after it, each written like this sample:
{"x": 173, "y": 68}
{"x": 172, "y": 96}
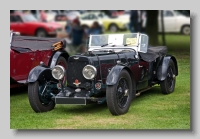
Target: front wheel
{"x": 39, "y": 99}
{"x": 119, "y": 96}
{"x": 168, "y": 85}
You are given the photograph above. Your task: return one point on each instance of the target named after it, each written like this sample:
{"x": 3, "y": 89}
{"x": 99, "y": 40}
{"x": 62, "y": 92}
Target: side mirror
{"x": 143, "y": 43}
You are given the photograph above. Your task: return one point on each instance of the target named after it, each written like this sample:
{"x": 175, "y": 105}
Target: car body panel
{"x": 22, "y": 63}
{"x": 27, "y": 52}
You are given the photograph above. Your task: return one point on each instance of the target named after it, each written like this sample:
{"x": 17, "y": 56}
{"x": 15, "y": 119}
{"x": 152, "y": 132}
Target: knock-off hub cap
{"x": 126, "y": 92}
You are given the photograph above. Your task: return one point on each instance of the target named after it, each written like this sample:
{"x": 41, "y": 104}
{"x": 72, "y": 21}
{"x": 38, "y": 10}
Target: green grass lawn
{"x": 150, "y": 110}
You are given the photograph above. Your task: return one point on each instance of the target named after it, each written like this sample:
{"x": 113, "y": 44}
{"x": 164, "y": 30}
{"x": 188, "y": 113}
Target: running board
{"x": 137, "y": 94}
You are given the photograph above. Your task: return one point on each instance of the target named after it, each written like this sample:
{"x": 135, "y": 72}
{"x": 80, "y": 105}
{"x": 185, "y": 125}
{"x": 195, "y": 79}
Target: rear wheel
{"x": 185, "y": 30}
{"x": 41, "y": 33}
{"x": 119, "y": 96}
{"x": 113, "y": 28}
{"x": 39, "y": 99}
{"x": 168, "y": 85}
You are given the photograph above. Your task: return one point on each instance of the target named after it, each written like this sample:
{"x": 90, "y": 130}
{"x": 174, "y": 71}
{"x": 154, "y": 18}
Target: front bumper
{"x": 70, "y": 96}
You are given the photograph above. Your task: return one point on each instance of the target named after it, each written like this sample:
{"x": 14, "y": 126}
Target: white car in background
{"x": 174, "y": 22}
{"x": 88, "y": 18}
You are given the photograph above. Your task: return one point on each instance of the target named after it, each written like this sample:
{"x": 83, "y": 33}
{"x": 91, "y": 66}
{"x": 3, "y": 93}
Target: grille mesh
{"x": 75, "y": 72}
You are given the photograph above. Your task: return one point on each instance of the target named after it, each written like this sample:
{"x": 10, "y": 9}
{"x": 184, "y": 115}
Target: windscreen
{"x": 130, "y": 39}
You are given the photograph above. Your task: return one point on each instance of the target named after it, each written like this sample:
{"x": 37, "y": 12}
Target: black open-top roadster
{"x": 115, "y": 69}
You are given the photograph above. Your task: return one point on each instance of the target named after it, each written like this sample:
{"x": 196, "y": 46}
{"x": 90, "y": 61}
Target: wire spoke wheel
{"x": 170, "y": 79}
{"x": 121, "y": 95}
{"x": 42, "y": 91}
{"x": 168, "y": 85}
{"x": 39, "y": 98}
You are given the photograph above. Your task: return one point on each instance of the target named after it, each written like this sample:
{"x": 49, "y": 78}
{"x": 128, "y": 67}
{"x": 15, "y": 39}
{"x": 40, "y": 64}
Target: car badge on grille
{"x": 77, "y": 83}
{"x": 76, "y": 58}
{"x": 98, "y": 86}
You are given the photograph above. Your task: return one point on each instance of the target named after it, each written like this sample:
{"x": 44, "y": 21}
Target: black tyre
{"x": 185, "y": 30}
{"x": 62, "y": 61}
{"x": 119, "y": 96}
{"x": 41, "y": 33}
{"x": 113, "y": 28}
{"x": 168, "y": 85}
{"x": 39, "y": 102}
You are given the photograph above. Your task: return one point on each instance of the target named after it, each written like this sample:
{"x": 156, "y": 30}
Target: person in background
{"x": 78, "y": 36}
{"x": 135, "y": 21}
{"x": 68, "y": 26}
{"x": 143, "y": 21}
{"x": 43, "y": 16}
{"x": 95, "y": 29}
{"x": 75, "y": 37}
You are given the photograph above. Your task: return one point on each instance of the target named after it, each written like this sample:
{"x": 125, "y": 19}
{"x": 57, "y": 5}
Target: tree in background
{"x": 152, "y": 26}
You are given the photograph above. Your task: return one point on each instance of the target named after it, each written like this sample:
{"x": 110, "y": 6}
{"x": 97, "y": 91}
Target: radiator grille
{"x": 75, "y": 72}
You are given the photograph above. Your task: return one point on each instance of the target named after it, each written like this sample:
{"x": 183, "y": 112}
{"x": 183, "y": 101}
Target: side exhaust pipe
{"x": 137, "y": 94}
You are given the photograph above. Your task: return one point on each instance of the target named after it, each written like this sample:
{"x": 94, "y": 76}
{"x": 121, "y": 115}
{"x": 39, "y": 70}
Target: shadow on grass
{"x": 153, "y": 92}
{"x": 82, "y": 109}
{"x": 18, "y": 90}
{"x": 96, "y": 108}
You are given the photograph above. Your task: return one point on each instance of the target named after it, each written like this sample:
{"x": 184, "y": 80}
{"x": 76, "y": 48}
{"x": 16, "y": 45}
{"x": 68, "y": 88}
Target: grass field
{"x": 151, "y": 110}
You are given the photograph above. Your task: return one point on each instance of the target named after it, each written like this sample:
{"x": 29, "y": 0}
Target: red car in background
{"x": 26, "y": 24}
{"x": 28, "y": 52}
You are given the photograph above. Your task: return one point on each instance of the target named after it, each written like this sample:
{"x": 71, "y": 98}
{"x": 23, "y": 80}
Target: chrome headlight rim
{"x": 62, "y": 69}
{"x": 94, "y": 69}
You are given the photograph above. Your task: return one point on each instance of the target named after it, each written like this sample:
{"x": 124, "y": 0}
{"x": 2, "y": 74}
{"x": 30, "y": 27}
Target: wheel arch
{"x": 40, "y": 73}
{"x": 162, "y": 69}
{"x": 112, "y": 23}
{"x": 53, "y": 60}
{"x": 113, "y": 76}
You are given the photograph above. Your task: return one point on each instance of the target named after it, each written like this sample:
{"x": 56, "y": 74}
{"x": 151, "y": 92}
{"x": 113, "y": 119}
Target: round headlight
{"x": 89, "y": 72}
{"x": 58, "y": 72}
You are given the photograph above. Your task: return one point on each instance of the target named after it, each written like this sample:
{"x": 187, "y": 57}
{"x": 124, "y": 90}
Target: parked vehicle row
{"x": 87, "y": 19}
{"x": 27, "y": 24}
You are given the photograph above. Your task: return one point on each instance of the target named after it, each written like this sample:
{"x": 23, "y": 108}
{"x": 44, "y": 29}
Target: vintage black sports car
{"x": 115, "y": 69}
